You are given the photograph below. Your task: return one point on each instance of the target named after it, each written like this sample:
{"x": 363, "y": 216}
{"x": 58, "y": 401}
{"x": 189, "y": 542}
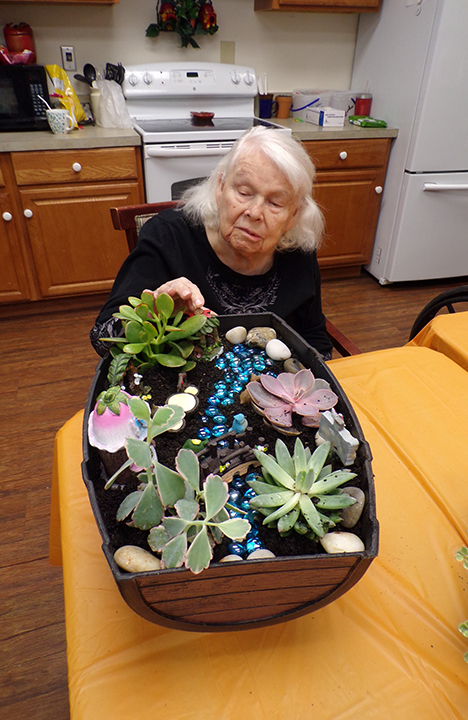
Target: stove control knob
{"x": 235, "y": 77}
{"x": 133, "y": 80}
{"x": 249, "y": 78}
{"x": 147, "y": 78}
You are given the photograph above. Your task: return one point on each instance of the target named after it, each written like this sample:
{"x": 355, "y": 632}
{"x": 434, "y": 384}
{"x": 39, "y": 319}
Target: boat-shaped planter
{"x": 253, "y": 593}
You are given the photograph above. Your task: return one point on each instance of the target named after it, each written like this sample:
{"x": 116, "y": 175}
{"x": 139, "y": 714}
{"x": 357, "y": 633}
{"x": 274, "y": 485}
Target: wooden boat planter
{"x": 254, "y": 593}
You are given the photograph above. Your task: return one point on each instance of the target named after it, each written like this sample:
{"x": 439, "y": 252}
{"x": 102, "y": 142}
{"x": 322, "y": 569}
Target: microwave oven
{"x": 20, "y": 106}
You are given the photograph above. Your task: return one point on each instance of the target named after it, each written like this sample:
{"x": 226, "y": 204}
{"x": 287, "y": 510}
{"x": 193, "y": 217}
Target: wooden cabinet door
{"x": 350, "y": 202}
{"x": 76, "y": 250}
{"x": 14, "y": 284}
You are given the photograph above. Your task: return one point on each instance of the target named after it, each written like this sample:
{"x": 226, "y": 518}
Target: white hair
{"x": 288, "y": 154}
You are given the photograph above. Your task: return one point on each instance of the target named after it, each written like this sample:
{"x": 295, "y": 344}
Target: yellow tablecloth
{"x": 448, "y": 334}
{"x": 387, "y": 649}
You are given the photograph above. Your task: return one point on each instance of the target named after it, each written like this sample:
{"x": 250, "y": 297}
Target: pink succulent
{"x": 111, "y": 421}
{"x": 300, "y": 393}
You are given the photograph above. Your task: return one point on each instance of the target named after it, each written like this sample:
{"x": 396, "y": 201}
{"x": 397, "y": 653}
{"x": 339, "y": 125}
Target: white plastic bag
{"x": 113, "y": 111}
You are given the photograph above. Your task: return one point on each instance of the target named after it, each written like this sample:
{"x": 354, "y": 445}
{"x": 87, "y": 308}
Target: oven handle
{"x": 165, "y": 151}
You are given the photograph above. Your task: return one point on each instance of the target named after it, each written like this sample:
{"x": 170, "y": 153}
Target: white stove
{"x": 179, "y": 149}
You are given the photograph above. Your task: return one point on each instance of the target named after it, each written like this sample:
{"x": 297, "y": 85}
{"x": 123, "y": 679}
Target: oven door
{"x": 170, "y": 168}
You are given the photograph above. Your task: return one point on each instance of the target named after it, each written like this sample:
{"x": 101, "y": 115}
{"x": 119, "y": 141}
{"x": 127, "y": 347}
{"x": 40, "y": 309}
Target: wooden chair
{"x": 132, "y": 217}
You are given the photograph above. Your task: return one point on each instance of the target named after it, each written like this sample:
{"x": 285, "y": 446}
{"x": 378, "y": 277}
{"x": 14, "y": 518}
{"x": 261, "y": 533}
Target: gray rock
{"x": 350, "y": 515}
{"x": 291, "y": 365}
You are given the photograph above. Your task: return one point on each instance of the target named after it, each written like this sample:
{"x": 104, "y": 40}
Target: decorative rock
{"x": 236, "y": 335}
{"x": 350, "y": 515}
{"x": 231, "y": 558}
{"x": 260, "y": 336}
{"x": 277, "y": 350}
{"x": 135, "y": 559}
{"x": 186, "y": 401}
{"x": 260, "y": 554}
{"x": 291, "y": 365}
{"x": 341, "y": 542}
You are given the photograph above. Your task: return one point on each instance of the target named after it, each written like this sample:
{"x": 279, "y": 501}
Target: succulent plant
{"x": 154, "y": 333}
{"x": 193, "y": 518}
{"x": 300, "y": 493}
{"x": 278, "y": 397}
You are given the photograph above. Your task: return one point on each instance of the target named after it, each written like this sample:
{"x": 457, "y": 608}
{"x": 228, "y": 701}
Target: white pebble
{"x": 135, "y": 559}
{"x": 277, "y": 350}
{"x": 342, "y": 542}
{"x": 260, "y": 553}
{"x": 230, "y": 558}
{"x": 236, "y": 335}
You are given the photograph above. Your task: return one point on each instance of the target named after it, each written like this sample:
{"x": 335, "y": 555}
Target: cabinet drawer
{"x": 341, "y": 154}
{"x": 72, "y": 166}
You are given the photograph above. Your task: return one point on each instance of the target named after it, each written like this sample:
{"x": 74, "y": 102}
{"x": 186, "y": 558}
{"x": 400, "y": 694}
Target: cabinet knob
{"x": 28, "y": 213}
{"x": 76, "y": 167}
{"x": 7, "y": 216}
{"x": 379, "y": 189}
{"x": 343, "y": 155}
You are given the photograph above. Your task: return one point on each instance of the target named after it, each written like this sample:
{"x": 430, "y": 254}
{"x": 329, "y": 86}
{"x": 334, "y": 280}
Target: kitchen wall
{"x": 297, "y": 50}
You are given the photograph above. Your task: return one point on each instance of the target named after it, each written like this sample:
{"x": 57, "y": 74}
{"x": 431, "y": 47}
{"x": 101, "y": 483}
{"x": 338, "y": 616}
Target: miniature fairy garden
{"x": 216, "y": 447}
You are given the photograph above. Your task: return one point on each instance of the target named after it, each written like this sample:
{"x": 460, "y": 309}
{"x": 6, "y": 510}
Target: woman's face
{"x": 257, "y": 206}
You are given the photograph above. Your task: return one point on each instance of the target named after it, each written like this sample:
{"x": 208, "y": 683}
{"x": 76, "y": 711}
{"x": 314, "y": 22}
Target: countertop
{"x": 308, "y": 131}
{"x": 95, "y": 137}
{"x": 88, "y": 137}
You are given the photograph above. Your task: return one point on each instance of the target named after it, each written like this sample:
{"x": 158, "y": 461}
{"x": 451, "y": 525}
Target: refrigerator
{"x": 413, "y": 58}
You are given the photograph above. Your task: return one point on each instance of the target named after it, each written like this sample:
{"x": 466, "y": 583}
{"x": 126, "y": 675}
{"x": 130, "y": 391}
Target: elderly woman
{"x": 243, "y": 241}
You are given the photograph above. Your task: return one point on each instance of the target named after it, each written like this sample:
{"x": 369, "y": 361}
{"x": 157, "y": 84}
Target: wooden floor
{"x": 45, "y": 371}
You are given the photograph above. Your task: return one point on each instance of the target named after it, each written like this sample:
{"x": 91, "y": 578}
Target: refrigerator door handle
{"x": 436, "y": 187}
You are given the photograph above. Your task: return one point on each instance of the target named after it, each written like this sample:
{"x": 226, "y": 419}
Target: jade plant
{"x": 185, "y": 519}
{"x": 300, "y": 492}
{"x": 278, "y": 397}
{"x": 462, "y": 556}
{"x": 154, "y": 332}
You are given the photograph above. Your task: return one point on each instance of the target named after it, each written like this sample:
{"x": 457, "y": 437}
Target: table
{"x": 447, "y": 334}
{"x": 389, "y": 648}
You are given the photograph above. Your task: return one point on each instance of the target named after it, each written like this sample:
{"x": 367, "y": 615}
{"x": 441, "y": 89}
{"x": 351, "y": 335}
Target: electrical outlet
{"x": 378, "y": 255}
{"x": 68, "y": 57}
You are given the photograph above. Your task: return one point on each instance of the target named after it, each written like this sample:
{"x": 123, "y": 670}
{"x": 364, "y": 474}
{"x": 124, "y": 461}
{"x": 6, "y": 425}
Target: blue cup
{"x": 266, "y": 106}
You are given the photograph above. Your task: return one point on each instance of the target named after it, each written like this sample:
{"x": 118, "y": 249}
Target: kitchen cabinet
{"x": 348, "y": 189}
{"x": 329, "y": 6}
{"x": 61, "y": 204}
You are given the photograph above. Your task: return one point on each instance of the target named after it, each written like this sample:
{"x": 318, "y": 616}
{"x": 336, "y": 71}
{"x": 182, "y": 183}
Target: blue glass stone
{"x": 211, "y": 411}
{"x": 204, "y": 419}
{"x": 245, "y": 504}
{"x": 219, "y": 419}
{"x": 213, "y": 400}
{"x": 269, "y": 362}
{"x": 252, "y": 476}
{"x": 237, "y": 549}
{"x": 222, "y": 443}
{"x": 259, "y": 365}
{"x": 250, "y": 493}
{"x": 221, "y": 363}
{"x": 237, "y": 484}
{"x": 253, "y": 533}
{"x": 270, "y": 372}
{"x": 243, "y": 377}
{"x": 251, "y": 517}
{"x": 229, "y": 376}
{"x": 220, "y": 385}
{"x": 203, "y": 433}
{"x": 253, "y": 544}
{"x": 229, "y": 356}
{"x": 233, "y": 513}
{"x": 220, "y": 393}
{"x": 236, "y": 387}
{"x": 235, "y": 497}
{"x": 218, "y": 430}
{"x": 238, "y": 349}
{"x": 227, "y": 401}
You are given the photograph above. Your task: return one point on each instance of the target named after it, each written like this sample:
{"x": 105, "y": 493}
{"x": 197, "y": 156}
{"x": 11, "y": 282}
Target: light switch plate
{"x": 68, "y": 57}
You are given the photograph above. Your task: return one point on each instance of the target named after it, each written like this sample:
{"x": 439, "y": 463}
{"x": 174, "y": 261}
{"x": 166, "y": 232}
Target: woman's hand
{"x": 184, "y": 293}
